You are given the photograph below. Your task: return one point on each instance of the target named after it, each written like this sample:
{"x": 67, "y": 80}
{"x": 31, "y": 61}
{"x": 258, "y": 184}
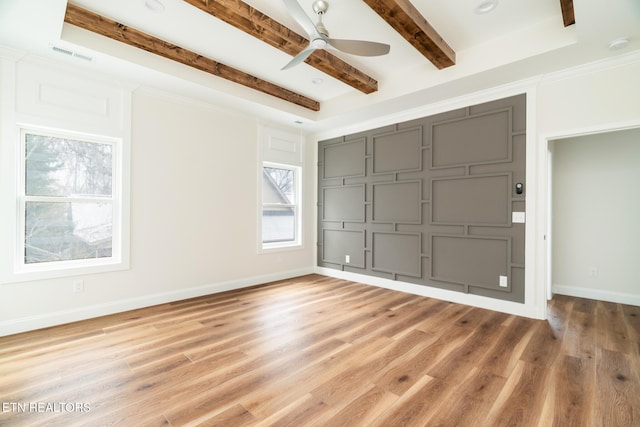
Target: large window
{"x": 280, "y": 205}
{"x": 69, "y": 204}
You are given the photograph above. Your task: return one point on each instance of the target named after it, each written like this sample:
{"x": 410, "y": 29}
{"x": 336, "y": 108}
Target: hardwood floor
{"x": 322, "y": 351}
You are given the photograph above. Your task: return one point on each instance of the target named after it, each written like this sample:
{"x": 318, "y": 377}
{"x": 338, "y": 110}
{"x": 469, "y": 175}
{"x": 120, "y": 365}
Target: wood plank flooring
{"x": 318, "y": 351}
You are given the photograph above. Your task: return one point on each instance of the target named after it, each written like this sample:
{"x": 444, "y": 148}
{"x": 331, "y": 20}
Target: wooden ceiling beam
{"x": 93, "y": 22}
{"x": 568, "y": 15}
{"x": 411, "y": 25}
{"x": 255, "y": 23}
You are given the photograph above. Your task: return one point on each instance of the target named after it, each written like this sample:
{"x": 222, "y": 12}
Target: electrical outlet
{"x": 347, "y": 259}
{"x": 504, "y": 281}
{"x": 593, "y": 272}
{"x": 78, "y": 286}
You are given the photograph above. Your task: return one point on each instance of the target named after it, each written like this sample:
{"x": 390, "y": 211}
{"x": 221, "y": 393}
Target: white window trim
{"x": 45, "y": 270}
{"x": 297, "y": 208}
{"x": 281, "y": 148}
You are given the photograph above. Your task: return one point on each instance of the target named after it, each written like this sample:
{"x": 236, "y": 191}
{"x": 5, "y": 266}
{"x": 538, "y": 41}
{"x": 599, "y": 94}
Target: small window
{"x": 280, "y": 205}
{"x": 69, "y": 203}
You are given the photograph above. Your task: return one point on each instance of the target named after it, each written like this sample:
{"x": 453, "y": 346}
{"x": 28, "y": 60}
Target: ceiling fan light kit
{"x": 318, "y": 35}
{"x": 318, "y": 43}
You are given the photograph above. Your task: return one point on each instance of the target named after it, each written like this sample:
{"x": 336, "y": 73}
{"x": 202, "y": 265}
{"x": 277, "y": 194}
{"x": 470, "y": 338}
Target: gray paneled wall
{"x": 429, "y": 201}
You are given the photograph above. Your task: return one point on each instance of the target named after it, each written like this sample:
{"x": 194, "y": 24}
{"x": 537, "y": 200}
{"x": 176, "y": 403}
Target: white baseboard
{"x": 442, "y": 294}
{"x": 597, "y": 294}
{"x": 24, "y": 324}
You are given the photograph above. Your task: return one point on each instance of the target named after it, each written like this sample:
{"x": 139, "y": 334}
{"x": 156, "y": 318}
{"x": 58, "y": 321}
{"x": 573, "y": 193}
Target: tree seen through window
{"x": 68, "y": 199}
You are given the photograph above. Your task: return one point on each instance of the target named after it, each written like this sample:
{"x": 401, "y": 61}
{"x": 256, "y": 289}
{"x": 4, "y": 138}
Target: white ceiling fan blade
{"x": 295, "y": 10}
{"x": 299, "y": 57}
{"x": 359, "y": 47}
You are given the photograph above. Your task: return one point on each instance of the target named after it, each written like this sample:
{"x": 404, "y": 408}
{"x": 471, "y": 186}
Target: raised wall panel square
{"x": 73, "y": 100}
{"x": 86, "y": 105}
{"x": 471, "y": 200}
{"x": 397, "y": 202}
{"x": 477, "y": 139}
{"x": 397, "y": 253}
{"x": 470, "y": 260}
{"x": 398, "y": 151}
{"x": 343, "y": 203}
{"x": 345, "y": 159}
{"x": 337, "y": 244}
{"x": 279, "y": 146}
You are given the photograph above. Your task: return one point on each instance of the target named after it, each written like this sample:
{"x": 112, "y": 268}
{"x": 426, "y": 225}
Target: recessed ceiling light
{"x": 154, "y": 5}
{"x": 317, "y": 81}
{"x": 486, "y": 6}
{"x": 619, "y": 43}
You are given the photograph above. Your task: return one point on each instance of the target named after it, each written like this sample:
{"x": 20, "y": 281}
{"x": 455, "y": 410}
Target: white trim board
{"x": 441, "y": 294}
{"x": 14, "y": 326}
{"x": 597, "y": 294}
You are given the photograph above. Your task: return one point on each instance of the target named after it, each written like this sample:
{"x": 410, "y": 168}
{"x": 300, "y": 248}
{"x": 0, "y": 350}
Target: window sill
{"x": 280, "y": 247}
{"x": 30, "y": 273}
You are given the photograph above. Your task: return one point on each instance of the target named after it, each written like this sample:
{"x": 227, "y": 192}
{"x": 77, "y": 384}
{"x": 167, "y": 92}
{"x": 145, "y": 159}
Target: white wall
{"x": 590, "y": 99}
{"x": 194, "y": 196}
{"x": 596, "y": 216}
{"x": 193, "y": 219}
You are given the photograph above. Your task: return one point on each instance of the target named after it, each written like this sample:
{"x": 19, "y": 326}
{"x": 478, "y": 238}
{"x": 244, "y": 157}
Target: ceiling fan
{"x": 319, "y": 36}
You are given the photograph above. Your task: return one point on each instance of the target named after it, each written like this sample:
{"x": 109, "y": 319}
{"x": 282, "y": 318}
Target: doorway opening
{"x": 593, "y": 212}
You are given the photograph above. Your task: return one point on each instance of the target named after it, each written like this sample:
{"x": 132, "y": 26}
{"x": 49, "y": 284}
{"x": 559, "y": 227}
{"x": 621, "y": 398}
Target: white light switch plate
{"x": 517, "y": 217}
{"x": 347, "y": 259}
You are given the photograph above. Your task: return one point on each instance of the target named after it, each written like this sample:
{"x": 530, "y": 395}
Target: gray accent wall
{"x": 429, "y": 201}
